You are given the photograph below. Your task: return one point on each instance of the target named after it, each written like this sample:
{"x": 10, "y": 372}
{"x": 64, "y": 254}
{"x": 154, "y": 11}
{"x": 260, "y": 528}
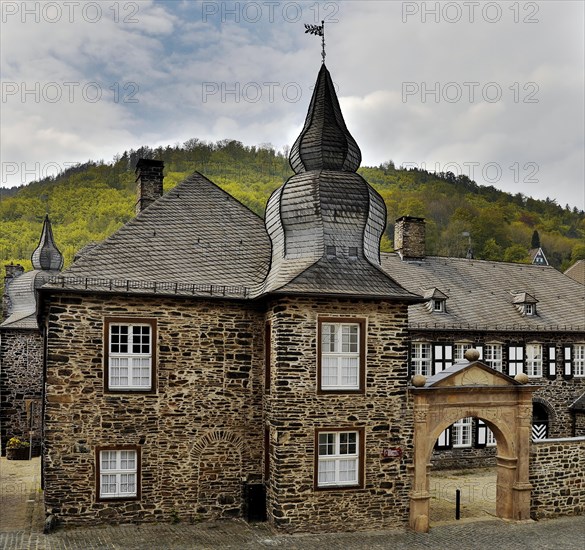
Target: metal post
{"x": 457, "y": 503}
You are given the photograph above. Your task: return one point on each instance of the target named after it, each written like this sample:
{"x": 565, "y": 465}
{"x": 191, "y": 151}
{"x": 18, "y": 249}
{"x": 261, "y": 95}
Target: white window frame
{"x": 533, "y": 360}
{"x": 461, "y": 432}
{"x": 438, "y": 305}
{"x": 490, "y": 438}
{"x": 345, "y": 364}
{"x": 118, "y": 470}
{"x": 421, "y": 363}
{"x": 529, "y": 310}
{"x": 579, "y": 360}
{"x": 336, "y": 452}
{"x": 493, "y": 356}
{"x": 459, "y": 350}
{"x": 138, "y": 367}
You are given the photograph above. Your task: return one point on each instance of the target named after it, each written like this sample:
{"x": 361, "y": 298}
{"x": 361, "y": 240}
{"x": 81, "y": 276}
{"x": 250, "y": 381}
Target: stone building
{"x": 521, "y": 317}
{"x": 21, "y": 343}
{"x": 203, "y": 362}
{"x": 200, "y": 354}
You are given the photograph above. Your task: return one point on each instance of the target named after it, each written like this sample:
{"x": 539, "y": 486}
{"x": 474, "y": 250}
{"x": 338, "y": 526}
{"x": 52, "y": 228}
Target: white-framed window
{"x": 129, "y": 355}
{"x": 338, "y": 458}
{"x": 485, "y": 437}
{"x": 118, "y": 473}
{"x": 533, "y": 360}
{"x": 529, "y": 309}
{"x": 493, "y": 356}
{"x": 515, "y": 360}
{"x": 421, "y": 358}
{"x": 459, "y": 350}
{"x": 579, "y": 360}
{"x": 461, "y": 432}
{"x": 341, "y": 356}
{"x": 490, "y": 438}
{"x": 438, "y": 305}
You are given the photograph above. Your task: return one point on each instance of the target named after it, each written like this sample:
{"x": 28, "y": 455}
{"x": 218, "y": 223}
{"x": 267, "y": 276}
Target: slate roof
{"x": 47, "y": 256}
{"x": 577, "y": 272}
{"x": 481, "y": 294}
{"x": 21, "y": 290}
{"x": 195, "y": 240}
{"x": 325, "y": 142}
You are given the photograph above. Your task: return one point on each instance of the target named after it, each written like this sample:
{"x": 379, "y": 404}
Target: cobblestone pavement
{"x": 21, "y": 529}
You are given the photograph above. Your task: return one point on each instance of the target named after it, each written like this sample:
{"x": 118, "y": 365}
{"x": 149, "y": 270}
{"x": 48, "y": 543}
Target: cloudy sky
{"x": 493, "y": 90}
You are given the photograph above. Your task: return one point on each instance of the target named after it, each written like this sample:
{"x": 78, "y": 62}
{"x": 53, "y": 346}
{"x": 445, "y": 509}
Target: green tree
{"x": 516, "y": 254}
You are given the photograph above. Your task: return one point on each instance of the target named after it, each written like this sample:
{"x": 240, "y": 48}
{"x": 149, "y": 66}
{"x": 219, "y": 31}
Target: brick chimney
{"x": 149, "y": 182}
{"x": 409, "y": 238}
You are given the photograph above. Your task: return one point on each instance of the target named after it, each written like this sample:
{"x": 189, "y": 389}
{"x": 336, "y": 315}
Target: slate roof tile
{"x": 195, "y": 235}
{"x": 481, "y": 294}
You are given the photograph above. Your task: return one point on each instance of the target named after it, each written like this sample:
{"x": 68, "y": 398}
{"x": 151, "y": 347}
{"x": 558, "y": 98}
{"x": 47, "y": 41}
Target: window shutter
{"x": 444, "y": 440}
{"x": 552, "y": 362}
{"x": 479, "y": 348}
{"x": 568, "y": 362}
{"x": 442, "y": 357}
{"x": 515, "y": 360}
{"x": 480, "y": 434}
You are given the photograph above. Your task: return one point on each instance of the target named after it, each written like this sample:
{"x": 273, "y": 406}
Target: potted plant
{"x": 17, "y": 449}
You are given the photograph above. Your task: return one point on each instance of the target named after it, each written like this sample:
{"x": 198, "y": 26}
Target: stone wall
{"x": 557, "y": 477}
{"x": 465, "y": 457}
{"x": 295, "y": 409}
{"x": 21, "y": 383}
{"x": 200, "y": 433}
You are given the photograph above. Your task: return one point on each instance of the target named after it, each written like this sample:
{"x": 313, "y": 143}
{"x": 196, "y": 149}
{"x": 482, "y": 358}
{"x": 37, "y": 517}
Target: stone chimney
{"x": 13, "y": 271}
{"x": 409, "y": 238}
{"x": 149, "y": 182}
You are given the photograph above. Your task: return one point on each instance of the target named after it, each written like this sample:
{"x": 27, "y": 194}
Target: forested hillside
{"x": 89, "y": 202}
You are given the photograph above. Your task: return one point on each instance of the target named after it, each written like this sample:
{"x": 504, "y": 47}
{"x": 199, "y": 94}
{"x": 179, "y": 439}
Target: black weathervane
{"x": 318, "y": 30}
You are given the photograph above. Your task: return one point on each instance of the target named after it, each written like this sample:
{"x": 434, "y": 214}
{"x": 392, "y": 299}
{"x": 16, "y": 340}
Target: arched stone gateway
{"x": 470, "y": 388}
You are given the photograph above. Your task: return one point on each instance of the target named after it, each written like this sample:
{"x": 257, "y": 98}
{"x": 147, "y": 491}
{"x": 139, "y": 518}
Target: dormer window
{"x": 331, "y": 251}
{"x": 437, "y": 300}
{"x": 525, "y": 303}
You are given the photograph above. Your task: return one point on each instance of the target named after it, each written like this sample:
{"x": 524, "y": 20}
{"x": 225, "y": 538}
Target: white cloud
{"x": 165, "y": 58}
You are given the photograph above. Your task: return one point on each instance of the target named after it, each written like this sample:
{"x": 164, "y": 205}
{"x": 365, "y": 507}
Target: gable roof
{"x": 481, "y": 294}
{"x": 469, "y": 373}
{"x": 577, "y": 272}
{"x": 195, "y": 240}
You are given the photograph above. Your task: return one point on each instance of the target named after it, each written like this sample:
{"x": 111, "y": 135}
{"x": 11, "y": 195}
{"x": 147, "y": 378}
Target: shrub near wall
{"x": 557, "y": 474}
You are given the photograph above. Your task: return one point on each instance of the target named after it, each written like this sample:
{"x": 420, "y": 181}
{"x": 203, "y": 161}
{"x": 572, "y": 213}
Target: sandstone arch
{"x": 504, "y": 404}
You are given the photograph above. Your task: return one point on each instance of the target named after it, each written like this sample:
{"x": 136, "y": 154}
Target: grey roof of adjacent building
{"x": 21, "y": 290}
{"x": 577, "y": 272}
{"x": 194, "y": 240}
{"x": 481, "y": 294}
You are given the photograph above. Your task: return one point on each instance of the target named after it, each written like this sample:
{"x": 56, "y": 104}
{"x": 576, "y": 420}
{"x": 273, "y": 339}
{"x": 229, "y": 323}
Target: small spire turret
{"x": 46, "y": 256}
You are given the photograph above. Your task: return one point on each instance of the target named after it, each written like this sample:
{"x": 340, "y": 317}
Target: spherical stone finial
{"x": 521, "y": 377}
{"x": 472, "y": 354}
{"x": 418, "y": 380}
